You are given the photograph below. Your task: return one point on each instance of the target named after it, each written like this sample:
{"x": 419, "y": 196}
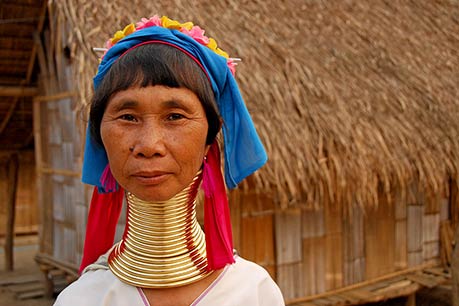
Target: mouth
{"x": 151, "y": 177}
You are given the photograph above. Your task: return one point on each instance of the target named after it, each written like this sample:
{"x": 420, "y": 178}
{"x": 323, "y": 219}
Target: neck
{"x": 163, "y": 245}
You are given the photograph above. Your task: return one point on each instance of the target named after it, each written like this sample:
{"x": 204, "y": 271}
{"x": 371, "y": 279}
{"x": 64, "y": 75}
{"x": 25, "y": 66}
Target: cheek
{"x": 199, "y": 148}
{"x": 113, "y": 140}
{"x": 189, "y": 148}
{"x": 112, "y": 135}
{"x": 107, "y": 135}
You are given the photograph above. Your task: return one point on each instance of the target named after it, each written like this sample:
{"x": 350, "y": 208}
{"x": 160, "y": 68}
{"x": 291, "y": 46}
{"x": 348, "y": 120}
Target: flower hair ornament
{"x": 187, "y": 28}
{"x": 243, "y": 150}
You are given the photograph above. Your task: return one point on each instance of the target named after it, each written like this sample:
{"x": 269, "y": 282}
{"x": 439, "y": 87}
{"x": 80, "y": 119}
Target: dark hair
{"x": 150, "y": 65}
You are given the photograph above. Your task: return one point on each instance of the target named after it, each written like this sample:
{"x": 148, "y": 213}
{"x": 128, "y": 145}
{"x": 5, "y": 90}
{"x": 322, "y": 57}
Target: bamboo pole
{"x": 59, "y": 96}
{"x": 18, "y": 91}
{"x": 8, "y": 115}
{"x": 12, "y": 170}
{"x": 361, "y": 284}
{"x": 44, "y": 234}
{"x": 63, "y": 172}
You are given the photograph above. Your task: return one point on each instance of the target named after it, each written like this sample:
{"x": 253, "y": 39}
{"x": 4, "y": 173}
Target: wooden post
{"x": 455, "y": 270}
{"x": 411, "y": 299}
{"x": 454, "y": 201}
{"x": 12, "y": 170}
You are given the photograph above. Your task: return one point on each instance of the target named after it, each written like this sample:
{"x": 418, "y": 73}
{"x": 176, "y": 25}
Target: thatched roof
{"x": 19, "y": 20}
{"x": 352, "y": 99}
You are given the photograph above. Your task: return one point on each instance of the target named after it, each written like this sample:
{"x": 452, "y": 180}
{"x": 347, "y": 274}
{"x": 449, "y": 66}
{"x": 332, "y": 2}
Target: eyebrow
{"x": 129, "y": 104}
{"x": 176, "y": 104}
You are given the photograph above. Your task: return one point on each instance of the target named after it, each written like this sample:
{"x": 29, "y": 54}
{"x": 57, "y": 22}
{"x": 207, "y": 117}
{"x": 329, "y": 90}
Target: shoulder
{"x": 255, "y": 274}
{"x": 244, "y": 266}
{"x": 97, "y": 287}
{"x": 245, "y": 283}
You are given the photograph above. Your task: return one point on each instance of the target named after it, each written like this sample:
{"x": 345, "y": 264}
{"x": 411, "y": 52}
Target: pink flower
{"x": 197, "y": 34}
{"x": 231, "y": 65}
{"x": 108, "y": 44}
{"x": 145, "y": 23}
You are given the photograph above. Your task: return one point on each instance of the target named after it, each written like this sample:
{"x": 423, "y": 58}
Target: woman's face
{"x": 155, "y": 138}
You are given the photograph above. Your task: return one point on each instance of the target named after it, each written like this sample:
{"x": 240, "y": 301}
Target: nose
{"x": 149, "y": 141}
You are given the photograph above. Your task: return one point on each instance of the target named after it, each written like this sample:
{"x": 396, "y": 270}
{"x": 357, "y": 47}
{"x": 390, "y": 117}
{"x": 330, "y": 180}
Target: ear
{"x": 221, "y": 124}
{"x": 206, "y": 149}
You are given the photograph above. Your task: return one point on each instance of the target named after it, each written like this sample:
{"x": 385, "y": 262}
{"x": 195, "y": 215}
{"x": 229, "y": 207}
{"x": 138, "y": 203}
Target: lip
{"x": 151, "y": 177}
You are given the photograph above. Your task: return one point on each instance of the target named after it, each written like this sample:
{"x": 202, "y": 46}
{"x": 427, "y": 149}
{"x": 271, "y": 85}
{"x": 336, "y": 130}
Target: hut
{"x": 357, "y": 104}
{"x": 18, "y": 86}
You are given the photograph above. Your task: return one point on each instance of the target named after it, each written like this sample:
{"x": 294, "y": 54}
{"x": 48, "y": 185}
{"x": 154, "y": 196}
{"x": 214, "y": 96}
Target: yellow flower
{"x": 212, "y": 45}
{"x": 130, "y": 28}
{"x": 174, "y": 24}
{"x": 222, "y": 53}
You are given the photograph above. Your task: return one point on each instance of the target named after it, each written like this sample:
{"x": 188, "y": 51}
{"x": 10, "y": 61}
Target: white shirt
{"x": 243, "y": 283}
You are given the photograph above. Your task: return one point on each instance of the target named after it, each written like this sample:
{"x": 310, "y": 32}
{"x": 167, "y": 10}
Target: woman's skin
{"x": 155, "y": 139}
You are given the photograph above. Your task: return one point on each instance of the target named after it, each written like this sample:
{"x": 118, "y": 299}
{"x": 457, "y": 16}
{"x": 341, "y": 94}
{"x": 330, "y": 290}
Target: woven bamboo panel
{"x": 414, "y": 234}
{"x": 290, "y": 278}
{"x": 431, "y": 236}
{"x": 313, "y": 252}
{"x": 26, "y": 220}
{"x": 354, "y": 248}
{"x": 400, "y": 252}
{"x": 314, "y": 262}
{"x": 380, "y": 241}
{"x": 430, "y": 228}
{"x": 289, "y": 250}
{"x": 312, "y": 223}
{"x": 257, "y": 242}
{"x": 444, "y": 209}
{"x": 333, "y": 247}
{"x": 288, "y": 236}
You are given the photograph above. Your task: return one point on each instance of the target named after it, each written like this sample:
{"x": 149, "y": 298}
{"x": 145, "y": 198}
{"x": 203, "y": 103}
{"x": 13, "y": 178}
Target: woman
{"x": 162, "y": 92}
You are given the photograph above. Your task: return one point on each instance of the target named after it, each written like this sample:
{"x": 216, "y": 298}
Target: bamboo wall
{"x": 26, "y": 220}
{"x": 58, "y": 131}
{"x": 63, "y": 196}
{"x": 314, "y": 251}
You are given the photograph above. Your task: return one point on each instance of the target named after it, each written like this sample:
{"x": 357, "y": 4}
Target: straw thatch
{"x": 351, "y": 98}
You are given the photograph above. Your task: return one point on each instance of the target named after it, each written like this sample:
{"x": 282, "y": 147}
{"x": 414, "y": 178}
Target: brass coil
{"x": 163, "y": 245}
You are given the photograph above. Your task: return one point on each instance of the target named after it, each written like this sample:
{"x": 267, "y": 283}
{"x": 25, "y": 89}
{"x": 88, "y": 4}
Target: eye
{"x": 127, "y": 117}
{"x": 175, "y": 117}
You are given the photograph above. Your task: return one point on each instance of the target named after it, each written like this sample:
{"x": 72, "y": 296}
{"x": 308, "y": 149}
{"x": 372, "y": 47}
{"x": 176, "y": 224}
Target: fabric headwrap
{"x": 243, "y": 150}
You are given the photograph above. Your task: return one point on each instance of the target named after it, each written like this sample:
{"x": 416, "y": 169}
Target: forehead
{"x": 155, "y": 97}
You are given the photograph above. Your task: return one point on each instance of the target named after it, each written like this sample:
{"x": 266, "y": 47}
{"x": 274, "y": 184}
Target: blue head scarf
{"x": 244, "y": 152}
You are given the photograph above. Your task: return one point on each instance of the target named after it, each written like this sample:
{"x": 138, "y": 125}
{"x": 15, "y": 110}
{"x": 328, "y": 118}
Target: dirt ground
{"x": 26, "y": 274}
{"x": 26, "y": 269}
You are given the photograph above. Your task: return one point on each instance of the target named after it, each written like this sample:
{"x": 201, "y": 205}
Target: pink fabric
{"x": 143, "y": 297}
{"x": 217, "y": 223}
{"x": 107, "y": 180}
{"x": 103, "y": 216}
